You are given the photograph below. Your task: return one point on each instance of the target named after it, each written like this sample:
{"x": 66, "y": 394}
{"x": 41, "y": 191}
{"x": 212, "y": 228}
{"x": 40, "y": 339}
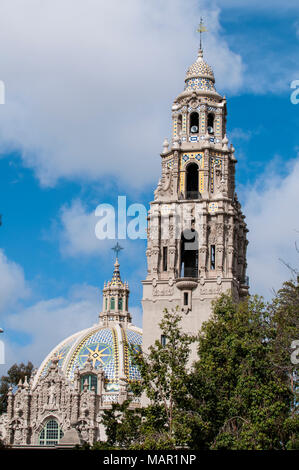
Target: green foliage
{"x": 14, "y": 375}
{"x": 243, "y": 402}
{"x": 164, "y": 382}
{"x": 241, "y": 394}
{"x": 285, "y": 313}
{"x": 122, "y": 424}
{"x": 155, "y": 441}
{"x": 162, "y": 423}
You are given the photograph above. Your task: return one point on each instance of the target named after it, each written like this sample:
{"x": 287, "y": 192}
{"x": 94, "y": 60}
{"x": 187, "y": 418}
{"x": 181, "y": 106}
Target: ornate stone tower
{"x": 196, "y": 231}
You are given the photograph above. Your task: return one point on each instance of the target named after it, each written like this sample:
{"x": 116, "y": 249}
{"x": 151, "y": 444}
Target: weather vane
{"x": 117, "y": 248}
{"x": 201, "y": 29}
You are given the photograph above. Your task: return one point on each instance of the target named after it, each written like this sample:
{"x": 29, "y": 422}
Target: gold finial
{"x": 201, "y": 29}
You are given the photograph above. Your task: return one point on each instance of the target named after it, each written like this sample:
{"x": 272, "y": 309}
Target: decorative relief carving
{"x": 162, "y": 291}
{"x": 210, "y": 290}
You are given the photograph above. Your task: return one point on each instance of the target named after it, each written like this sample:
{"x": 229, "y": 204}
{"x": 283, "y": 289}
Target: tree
{"x": 164, "y": 372}
{"x": 14, "y": 375}
{"x": 238, "y": 394}
{"x": 122, "y": 425}
{"x": 240, "y": 399}
{"x": 162, "y": 423}
{"x": 285, "y": 320}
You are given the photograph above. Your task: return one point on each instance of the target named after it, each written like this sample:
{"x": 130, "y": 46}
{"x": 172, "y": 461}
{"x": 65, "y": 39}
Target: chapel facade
{"x": 63, "y": 401}
{"x": 196, "y": 250}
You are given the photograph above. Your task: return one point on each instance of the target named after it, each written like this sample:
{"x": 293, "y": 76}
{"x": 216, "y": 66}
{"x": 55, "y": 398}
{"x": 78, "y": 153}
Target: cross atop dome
{"x": 117, "y": 248}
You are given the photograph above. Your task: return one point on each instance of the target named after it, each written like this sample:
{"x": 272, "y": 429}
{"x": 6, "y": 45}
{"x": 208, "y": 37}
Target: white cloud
{"x": 50, "y": 321}
{"x": 240, "y": 134}
{"x": 89, "y": 83}
{"x": 271, "y": 211}
{"x": 77, "y": 236}
{"x": 13, "y": 286}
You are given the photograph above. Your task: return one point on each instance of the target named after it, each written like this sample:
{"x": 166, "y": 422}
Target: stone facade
{"x": 73, "y": 407}
{"x": 196, "y": 250}
{"x": 85, "y": 374}
{"x": 197, "y": 241}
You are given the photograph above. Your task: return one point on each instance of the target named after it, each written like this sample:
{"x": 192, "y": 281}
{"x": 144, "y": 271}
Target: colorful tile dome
{"x": 107, "y": 347}
{"x": 200, "y": 75}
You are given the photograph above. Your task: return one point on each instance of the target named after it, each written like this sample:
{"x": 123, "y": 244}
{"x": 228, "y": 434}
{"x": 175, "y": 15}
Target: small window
{"x": 106, "y": 303}
{"x": 163, "y": 340}
{"x": 212, "y": 256}
{"x": 92, "y": 381}
{"x": 112, "y": 303}
{"x": 165, "y": 252}
{"x": 120, "y": 303}
{"x": 186, "y": 298}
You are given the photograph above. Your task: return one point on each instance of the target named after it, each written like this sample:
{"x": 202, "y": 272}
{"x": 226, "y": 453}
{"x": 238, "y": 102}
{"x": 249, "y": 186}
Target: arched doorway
{"x": 189, "y": 253}
{"x": 192, "y": 181}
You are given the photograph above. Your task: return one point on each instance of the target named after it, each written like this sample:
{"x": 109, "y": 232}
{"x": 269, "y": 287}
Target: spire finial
{"x": 201, "y": 29}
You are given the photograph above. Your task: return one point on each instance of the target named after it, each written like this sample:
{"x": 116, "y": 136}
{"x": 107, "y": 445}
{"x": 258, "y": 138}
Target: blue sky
{"x": 89, "y": 89}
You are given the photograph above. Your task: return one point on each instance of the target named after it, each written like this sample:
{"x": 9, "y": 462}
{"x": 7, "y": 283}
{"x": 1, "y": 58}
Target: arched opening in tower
{"x": 179, "y": 125}
{"x": 194, "y": 123}
{"x": 210, "y": 126}
{"x": 192, "y": 181}
{"x": 189, "y": 253}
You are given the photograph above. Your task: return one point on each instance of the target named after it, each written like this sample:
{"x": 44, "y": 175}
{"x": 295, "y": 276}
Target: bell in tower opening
{"x": 196, "y": 242}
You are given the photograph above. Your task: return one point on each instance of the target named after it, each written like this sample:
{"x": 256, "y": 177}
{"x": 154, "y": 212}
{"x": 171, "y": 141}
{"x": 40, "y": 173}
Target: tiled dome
{"x": 200, "y": 75}
{"x": 105, "y": 347}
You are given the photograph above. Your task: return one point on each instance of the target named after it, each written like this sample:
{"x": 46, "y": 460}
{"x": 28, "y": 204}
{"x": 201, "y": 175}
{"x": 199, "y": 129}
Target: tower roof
{"x": 116, "y": 279}
{"x": 200, "y": 75}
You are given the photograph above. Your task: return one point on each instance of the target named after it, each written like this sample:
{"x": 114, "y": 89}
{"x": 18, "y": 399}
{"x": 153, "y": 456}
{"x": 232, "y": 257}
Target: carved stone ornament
{"x": 162, "y": 291}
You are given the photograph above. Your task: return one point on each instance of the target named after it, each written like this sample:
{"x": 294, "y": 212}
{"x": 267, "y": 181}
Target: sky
{"x": 89, "y": 86}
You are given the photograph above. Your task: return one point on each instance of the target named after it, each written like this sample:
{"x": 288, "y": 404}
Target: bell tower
{"x": 196, "y": 236}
